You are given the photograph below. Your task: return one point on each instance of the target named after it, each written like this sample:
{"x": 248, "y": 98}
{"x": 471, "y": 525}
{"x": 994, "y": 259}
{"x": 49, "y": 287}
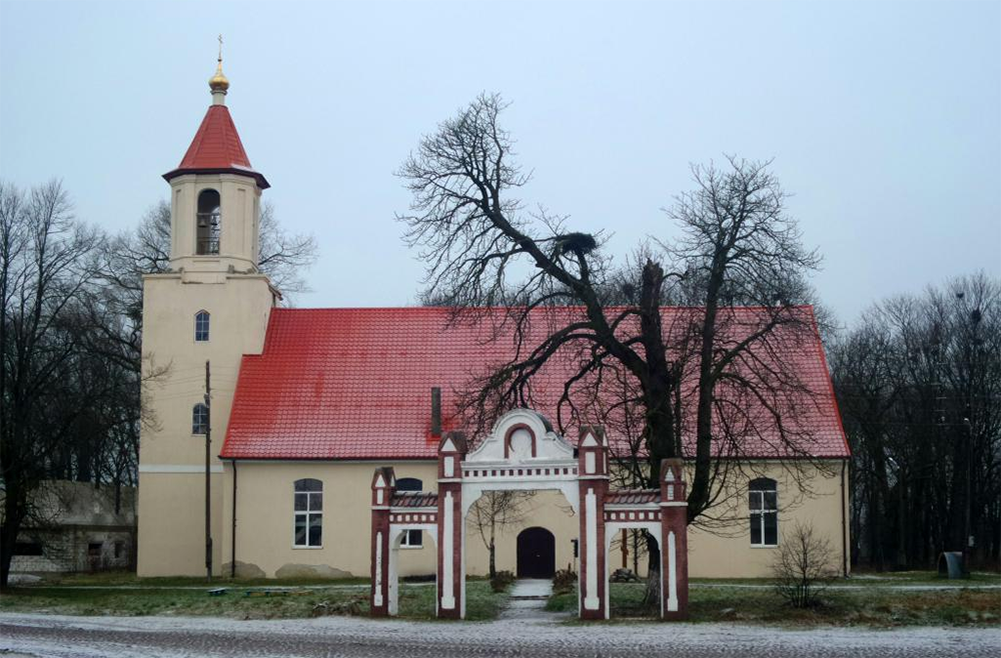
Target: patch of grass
{"x": 128, "y": 578}
{"x": 154, "y": 601}
{"x": 416, "y": 602}
{"x": 563, "y": 602}
{"x": 874, "y": 578}
{"x": 874, "y": 607}
{"x": 482, "y": 603}
{"x": 924, "y": 577}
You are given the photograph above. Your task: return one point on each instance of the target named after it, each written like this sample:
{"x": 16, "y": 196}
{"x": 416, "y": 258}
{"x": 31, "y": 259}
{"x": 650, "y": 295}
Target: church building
{"x": 306, "y": 404}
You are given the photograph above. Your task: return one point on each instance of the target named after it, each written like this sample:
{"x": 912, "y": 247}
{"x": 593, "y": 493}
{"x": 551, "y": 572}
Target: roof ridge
{"x": 505, "y": 308}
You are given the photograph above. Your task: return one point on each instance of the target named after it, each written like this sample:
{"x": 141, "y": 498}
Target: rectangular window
{"x": 199, "y": 419}
{"x": 94, "y": 549}
{"x": 764, "y": 518}
{"x": 201, "y": 327}
{"x": 412, "y": 539}
{"x": 308, "y": 519}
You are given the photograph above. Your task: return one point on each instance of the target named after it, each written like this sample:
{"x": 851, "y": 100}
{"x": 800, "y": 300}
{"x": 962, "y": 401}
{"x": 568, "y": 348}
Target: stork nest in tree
{"x": 579, "y": 243}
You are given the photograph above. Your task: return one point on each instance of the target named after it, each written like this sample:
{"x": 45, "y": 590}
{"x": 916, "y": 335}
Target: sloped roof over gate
{"x": 356, "y": 384}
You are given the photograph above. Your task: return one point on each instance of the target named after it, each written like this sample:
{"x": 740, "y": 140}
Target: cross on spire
{"x": 218, "y": 83}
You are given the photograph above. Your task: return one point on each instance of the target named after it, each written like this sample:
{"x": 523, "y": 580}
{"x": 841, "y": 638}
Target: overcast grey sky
{"x": 884, "y": 119}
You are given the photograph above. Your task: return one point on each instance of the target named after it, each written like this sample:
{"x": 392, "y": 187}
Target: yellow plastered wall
{"x": 807, "y": 494}
{"x": 265, "y": 518}
{"x": 171, "y": 512}
{"x": 264, "y": 528}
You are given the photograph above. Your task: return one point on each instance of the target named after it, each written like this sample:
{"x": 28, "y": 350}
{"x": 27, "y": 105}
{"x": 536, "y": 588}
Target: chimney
{"x": 435, "y": 411}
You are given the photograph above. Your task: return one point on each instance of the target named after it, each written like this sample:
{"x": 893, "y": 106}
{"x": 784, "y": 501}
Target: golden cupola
{"x": 219, "y": 83}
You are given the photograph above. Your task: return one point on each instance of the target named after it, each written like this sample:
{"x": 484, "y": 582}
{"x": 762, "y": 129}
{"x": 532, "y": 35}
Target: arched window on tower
{"x": 201, "y": 326}
{"x": 199, "y": 419}
{"x": 209, "y": 222}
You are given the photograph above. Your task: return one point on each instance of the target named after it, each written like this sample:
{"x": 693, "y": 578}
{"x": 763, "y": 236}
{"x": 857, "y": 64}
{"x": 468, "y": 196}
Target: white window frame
{"x": 194, "y": 410}
{"x": 762, "y": 512}
{"x": 314, "y": 507}
{"x": 208, "y": 326}
{"x": 408, "y": 538}
{"x": 411, "y": 538}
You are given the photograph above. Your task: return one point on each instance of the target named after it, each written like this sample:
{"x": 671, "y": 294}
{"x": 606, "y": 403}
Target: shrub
{"x": 624, "y": 576}
{"x": 564, "y": 581}
{"x": 501, "y": 581}
{"x": 803, "y": 567}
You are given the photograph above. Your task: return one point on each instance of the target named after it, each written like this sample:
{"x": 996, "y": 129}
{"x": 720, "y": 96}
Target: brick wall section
{"x": 674, "y": 518}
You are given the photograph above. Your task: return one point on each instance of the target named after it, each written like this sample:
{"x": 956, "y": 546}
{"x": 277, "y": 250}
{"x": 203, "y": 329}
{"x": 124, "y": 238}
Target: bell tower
{"x": 215, "y": 195}
{"x": 201, "y": 316}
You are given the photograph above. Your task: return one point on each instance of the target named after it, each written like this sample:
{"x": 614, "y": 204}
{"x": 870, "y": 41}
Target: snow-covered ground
{"x": 50, "y": 635}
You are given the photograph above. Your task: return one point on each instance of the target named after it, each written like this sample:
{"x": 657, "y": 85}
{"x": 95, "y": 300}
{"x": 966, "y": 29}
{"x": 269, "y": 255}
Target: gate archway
{"x": 523, "y": 453}
{"x": 536, "y": 553}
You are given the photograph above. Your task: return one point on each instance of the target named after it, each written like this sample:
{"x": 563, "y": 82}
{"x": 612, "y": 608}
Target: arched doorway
{"x": 536, "y": 553}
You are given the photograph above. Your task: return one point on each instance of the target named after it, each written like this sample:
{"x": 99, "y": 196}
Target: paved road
{"x": 151, "y": 637}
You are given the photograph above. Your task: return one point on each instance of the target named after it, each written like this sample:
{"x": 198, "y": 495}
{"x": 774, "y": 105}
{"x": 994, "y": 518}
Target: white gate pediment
{"x": 521, "y": 436}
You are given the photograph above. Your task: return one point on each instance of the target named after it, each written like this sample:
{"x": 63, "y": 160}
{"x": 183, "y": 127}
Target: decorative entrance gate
{"x": 524, "y": 453}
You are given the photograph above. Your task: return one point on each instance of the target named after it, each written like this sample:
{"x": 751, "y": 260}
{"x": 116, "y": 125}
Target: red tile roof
{"x": 632, "y": 497}
{"x": 356, "y": 384}
{"x": 217, "y": 148}
{"x": 414, "y": 499}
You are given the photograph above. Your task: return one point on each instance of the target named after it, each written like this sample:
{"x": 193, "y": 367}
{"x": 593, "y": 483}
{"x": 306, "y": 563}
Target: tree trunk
{"x": 698, "y": 494}
{"x": 493, "y": 547}
{"x": 13, "y": 513}
{"x": 656, "y": 384}
{"x": 652, "y": 594}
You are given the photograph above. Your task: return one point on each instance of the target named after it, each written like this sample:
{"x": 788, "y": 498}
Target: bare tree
{"x": 47, "y": 272}
{"x": 70, "y": 372}
{"x": 919, "y": 386}
{"x": 803, "y": 566}
{"x": 496, "y": 510}
{"x": 740, "y": 247}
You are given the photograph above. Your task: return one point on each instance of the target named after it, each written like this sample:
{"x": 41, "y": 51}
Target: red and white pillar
{"x": 451, "y": 575}
{"x": 674, "y": 540}
{"x": 383, "y": 486}
{"x": 592, "y": 472}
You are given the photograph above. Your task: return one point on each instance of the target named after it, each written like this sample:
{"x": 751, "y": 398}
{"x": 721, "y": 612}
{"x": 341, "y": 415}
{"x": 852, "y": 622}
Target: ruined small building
{"x": 77, "y": 527}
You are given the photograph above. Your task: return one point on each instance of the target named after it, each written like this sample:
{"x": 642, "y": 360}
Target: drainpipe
{"x": 232, "y": 559}
{"x": 844, "y": 521}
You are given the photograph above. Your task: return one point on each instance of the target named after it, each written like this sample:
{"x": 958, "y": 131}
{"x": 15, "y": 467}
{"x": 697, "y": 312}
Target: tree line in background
{"x": 71, "y": 373}
{"x": 918, "y": 381}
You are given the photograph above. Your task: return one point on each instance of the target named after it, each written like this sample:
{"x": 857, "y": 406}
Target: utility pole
{"x": 208, "y": 471}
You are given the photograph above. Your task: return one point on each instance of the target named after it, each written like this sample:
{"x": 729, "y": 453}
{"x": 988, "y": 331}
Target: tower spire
{"x": 218, "y": 83}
